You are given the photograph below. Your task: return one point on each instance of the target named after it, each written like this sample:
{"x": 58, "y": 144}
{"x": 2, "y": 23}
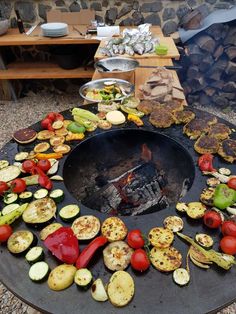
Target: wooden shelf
{"x": 42, "y": 70}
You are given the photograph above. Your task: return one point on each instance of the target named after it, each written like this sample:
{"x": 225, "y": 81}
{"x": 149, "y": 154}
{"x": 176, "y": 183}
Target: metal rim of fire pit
{"x": 208, "y": 291}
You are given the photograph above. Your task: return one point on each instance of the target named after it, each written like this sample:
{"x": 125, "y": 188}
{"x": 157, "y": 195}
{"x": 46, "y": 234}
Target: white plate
{"x": 54, "y": 26}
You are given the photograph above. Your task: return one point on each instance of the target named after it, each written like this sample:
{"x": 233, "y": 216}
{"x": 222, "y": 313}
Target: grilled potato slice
{"x": 86, "y": 227}
{"x": 45, "y": 135}
{"x": 120, "y": 289}
{"x": 41, "y": 147}
{"x": 196, "y": 210}
{"x": 207, "y": 196}
{"x": 173, "y": 223}
{"x": 161, "y": 237}
{"x": 167, "y": 259}
{"x": 117, "y": 255}
{"x": 114, "y": 229}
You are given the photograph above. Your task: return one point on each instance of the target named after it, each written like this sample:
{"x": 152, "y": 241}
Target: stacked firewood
{"x": 210, "y": 76}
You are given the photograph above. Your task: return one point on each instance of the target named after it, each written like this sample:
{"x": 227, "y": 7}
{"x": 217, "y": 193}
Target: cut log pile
{"x": 210, "y": 77}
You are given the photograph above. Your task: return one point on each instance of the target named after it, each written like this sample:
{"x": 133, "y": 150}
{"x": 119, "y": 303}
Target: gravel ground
{"x": 26, "y": 111}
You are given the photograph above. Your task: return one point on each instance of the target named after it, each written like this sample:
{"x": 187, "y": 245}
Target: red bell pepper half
{"x": 43, "y": 180}
{"x": 205, "y": 163}
{"x": 63, "y": 244}
{"x": 89, "y": 251}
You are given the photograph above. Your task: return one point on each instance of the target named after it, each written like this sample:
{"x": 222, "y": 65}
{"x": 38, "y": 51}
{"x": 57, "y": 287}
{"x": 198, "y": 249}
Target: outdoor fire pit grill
{"x": 155, "y": 292}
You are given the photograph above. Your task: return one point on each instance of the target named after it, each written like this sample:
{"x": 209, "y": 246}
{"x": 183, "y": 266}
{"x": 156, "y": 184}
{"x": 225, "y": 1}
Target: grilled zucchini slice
{"x": 25, "y": 197}
{"x": 181, "y": 207}
{"x": 161, "y": 237}
{"x": 69, "y": 212}
{"x": 9, "y": 173}
{"x": 114, "y": 229}
{"x": 86, "y": 227}
{"x": 21, "y": 241}
{"x": 57, "y": 195}
{"x": 4, "y": 164}
{"x": 173, "y": 223}
{"x": 44, "y": 233}
{"x": 181, "y": 276}
{"x": 41, "y": 193}
{"x": 83, "y": 277}
{"x": 204, "y": 240}
{"x": 207, "y": 196}
{"x": 40, "y": 211}
{"x": 10, "y": 198}
{"x": 21, "y": 156}
{"x": 9, "y": 208}
{"x": 196, "y": 210}
{"x": 39, "y": 271}
{"x": 34, "y": 255}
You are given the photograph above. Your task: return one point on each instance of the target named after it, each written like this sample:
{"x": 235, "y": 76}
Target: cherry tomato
{"x": 28, "y": 166}
{"x": 232, "y": 183}
{"x": 228, "y": 228}
{"x": 18, "y": 185}
{"x": 212, "y": 219}
{"x": 51, "y": 116}
{"x": 205, "y": 162}
{"x": 59, "y": 117}
{"x": 45, "y": 123}
{"x": 5, "y": 232}
{"x": 228, "y": 245}
{"x": 135, "y": 239}
{"x": 44, "y": 165}
{"x": 139, "y": 260}
{"x": 3, "y": 187}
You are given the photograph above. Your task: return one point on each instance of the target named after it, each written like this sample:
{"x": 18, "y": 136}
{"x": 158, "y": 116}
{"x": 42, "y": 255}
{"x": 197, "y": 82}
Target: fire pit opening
{"x": 128, "y": 172}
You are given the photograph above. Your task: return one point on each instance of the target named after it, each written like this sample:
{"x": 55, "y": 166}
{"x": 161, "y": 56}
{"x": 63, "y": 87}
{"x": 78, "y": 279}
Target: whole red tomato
{"x": 212, "y": 219}
{"x": 51, "y": 116}
{"x": 46, "y": 123}
{"x": 228, "y": 228}
{"x": 28, "y": 166}
{"x": 3, "y": 187}
{"x": 228, "y": 245}
{"x": 18, "y": 185}
{"x": 59, "y": 117}
{"x": 139, "y": 260}
{"x": 135, "y": 239}
{"x": 5, "y": 232}
{"x": 44, "y": 165}
{"x": 232, "y": 183}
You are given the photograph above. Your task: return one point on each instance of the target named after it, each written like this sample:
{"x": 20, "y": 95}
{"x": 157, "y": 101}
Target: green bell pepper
{"x": 224, "y": 196}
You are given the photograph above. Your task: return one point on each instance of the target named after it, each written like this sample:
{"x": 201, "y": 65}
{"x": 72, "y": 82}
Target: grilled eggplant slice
{"x": 196, "y": 210}
{"x": 204, "y": 240}
{"x": 86, "y": 227}
{"x": 117, "y": 255}
{"x": 207, "y": 196}
{"x": 40, "y": 211}
{"x": 173, "y": 223}
{"x": 44, "y": 233}
{"x": 21, "y": 241}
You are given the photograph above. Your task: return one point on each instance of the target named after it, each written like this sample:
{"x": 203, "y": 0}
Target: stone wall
{"x": 166, "y": 13}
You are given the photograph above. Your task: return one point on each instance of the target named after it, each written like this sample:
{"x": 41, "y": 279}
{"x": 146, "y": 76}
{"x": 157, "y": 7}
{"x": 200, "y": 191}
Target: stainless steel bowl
{"x": 119, "y": 67}
{"x": 99, "y": 84}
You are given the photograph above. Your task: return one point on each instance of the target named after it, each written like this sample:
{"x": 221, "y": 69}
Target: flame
{"x": 129, "y": 178}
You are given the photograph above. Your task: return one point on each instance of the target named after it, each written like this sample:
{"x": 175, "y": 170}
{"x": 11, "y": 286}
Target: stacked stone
{"x": 166, "y": 13}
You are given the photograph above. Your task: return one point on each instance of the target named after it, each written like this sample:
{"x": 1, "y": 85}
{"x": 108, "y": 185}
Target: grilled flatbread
{"x": 161, "y": 118}
{"x": 195, "y": 128}
{"x": 227, "y": 150}
{"x": 206, "y": 144}
{"x": 161, "y": 237}
{"x": 183, "y": 116}
{"x": 114, "y": 229}
{"x": 165, "y": 260}
{"x": 219, "y": 131}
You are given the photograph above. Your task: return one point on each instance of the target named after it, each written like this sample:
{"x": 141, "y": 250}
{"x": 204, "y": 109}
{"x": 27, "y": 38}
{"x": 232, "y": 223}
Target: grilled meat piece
{"x": 227, "y": 150}
{"x": 206, "y": 144}
{"x": 195, "y": 128}
{"x": 220, "y": 131}
{"x": 183, "y": 116}
{"x": 161, "y": 118}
